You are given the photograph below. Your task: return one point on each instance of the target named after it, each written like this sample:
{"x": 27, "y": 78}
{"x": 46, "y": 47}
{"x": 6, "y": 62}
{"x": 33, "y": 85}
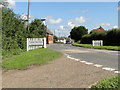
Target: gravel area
{"x": 61, "y": 73}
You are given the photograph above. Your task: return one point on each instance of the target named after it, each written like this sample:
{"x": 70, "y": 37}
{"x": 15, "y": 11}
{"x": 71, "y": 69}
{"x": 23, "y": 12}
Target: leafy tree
{"x": 37, "y": 29}
{"x": 55, "y": 38}
{"x": 77, "y": 32}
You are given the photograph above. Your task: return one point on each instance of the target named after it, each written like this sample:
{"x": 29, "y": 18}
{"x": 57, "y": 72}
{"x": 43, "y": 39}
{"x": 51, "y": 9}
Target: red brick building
{"x": 98, "y": 29}
{"x": 49, "y": 37}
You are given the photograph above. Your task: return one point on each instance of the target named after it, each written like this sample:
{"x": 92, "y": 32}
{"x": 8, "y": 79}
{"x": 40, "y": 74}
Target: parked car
{"x": 68, "y": 42}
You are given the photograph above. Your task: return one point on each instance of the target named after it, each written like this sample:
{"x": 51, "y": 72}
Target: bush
{"x": 108, "y": 84}
{"x": 110, "y": 38}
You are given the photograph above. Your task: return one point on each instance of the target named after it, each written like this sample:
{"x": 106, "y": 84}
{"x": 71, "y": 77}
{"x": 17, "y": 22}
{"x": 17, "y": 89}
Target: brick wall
{"x": 49, "y": 39}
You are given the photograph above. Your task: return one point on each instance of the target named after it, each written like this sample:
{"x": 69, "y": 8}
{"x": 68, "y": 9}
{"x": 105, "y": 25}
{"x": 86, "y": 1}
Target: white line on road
{"x": 117, "y": 72}
{"x": 97, "y": 65}
{"x": 88, "y": 63}
{"x": 109, "y": 69}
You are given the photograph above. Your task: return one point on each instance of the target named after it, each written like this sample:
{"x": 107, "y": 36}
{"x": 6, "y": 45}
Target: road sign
{"x": 34, "y": 43}
{"x": 97, "y": 42}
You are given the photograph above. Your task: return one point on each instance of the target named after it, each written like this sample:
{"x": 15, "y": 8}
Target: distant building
{"x": 49, "y": 37}
{"x": 98, "y": 29}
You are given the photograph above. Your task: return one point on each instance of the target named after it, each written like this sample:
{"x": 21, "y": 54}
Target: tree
{"x": 77, "y": 32}
{"x": 13, "y": 31}
{"x": 37, "y": 29}
{"x": 55, "y": 38}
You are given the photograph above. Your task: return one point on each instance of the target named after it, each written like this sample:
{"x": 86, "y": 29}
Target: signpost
{"x": 97, "y": 42}
{"x": 34, "y": 43}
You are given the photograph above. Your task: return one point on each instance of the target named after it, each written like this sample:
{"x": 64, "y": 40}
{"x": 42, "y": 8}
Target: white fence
{"x": 97, "y": 42}
{"x": 34, "y": 43}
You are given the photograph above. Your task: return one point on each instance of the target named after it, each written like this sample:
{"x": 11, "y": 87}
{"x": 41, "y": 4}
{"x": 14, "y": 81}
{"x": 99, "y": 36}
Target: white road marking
{"x": 117, "y": 72}
{"x": 83, "y": 61}
{"x": 77, "y": 59}
{"x": 97, "y": 65}
{"x": 88, "y": 63}
{"x": 109, "y": 69}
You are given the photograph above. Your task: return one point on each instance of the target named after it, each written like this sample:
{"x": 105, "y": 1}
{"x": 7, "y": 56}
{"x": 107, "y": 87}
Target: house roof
{"x": 98, "y": 29}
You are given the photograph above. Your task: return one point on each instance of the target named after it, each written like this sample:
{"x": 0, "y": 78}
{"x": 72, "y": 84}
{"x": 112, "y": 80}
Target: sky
{"x": 61, "y": 17}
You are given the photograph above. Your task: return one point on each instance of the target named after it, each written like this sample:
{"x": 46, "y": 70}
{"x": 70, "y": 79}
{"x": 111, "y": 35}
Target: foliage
{"x": 108, "y": 84}
{"x": 14, "y": 32}
{"x": 33, "y": 57}
{"x": 116, "y": 48}
{"x": 111, "y": 37}
{"x": 37, "y": 29}
{"x": 55, "y": 38}
{"x": 77, "y": 32}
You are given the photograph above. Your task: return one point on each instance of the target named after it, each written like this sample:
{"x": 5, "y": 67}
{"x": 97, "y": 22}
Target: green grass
{"x": 116, "y": 48}
{"x": 112, "y": 83}
{"x": 7, "y": 54}
{"x": 33, "y": 57}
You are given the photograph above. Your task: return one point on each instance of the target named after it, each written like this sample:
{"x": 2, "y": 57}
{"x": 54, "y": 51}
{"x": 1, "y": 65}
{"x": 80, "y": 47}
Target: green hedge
{"x": 110, "y": 38}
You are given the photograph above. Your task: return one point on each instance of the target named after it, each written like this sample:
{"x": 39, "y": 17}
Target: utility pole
{"x": 28, "y": 12}
{"x": 54, "y": 32}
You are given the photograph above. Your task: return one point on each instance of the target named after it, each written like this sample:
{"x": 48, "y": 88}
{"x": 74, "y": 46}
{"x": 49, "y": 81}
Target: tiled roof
{"x": 99, "y": 29}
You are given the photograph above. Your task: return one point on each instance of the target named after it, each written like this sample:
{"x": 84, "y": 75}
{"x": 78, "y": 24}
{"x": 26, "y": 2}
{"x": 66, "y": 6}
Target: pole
{"x": 28, "y": 12}
{"x": 54, "y": 32}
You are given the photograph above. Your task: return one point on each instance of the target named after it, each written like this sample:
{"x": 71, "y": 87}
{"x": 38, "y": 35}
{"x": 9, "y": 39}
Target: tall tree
{"x": 77, "y": 32}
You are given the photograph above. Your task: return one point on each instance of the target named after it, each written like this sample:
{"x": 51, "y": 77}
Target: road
{"x": 107, "y": 58}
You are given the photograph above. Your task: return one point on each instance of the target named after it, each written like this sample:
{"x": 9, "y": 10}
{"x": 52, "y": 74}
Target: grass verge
{"x": 116, "y": 48}
{"x": 7, "y": 54}
{"x": 112, "y": 83}
{"x": 37, "y": 56}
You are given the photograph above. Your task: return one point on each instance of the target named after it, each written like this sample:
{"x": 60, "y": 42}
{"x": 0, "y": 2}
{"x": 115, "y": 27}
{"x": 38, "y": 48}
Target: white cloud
{"x": 104, "y": 24}
{"x": 61, "y": 27}
{"x": 79, "y": 20}
{"x": 24, "y": 17}
{"x": 76, "y": 21}
{"x": 115, "y": 26}
{"x": 70, "y": 24}
{"x": 12, "y": 4}
{"x": 52, "y": 21}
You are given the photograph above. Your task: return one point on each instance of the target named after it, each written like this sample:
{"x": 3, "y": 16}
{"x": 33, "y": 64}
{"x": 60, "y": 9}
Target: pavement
{"x": 61, "y": 73}
{"x": 107, "y": 58}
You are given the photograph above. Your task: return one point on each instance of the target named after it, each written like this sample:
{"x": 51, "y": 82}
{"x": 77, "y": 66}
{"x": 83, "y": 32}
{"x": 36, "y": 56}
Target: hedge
{"x": 110, "y": 38}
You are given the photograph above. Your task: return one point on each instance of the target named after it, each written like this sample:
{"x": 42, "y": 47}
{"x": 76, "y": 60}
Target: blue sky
{"x": 62, "y": 16}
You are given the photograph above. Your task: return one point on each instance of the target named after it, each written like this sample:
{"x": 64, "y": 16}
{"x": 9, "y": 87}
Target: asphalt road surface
{"x": 107, "y": 58}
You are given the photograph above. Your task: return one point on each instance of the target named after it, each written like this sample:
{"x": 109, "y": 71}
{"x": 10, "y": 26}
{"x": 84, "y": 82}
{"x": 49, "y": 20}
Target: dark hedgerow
{"x": 110, "y": 38}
